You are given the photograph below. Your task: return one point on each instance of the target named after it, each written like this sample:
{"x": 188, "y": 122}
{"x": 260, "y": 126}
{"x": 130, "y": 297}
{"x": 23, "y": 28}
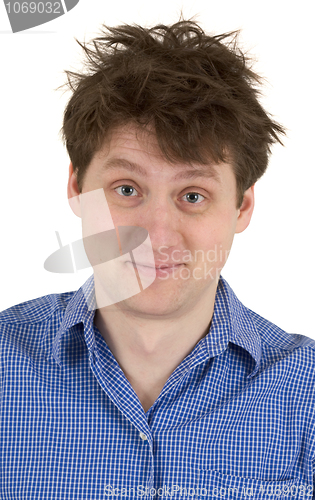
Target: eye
{"x": 193, "y": 197}
{"x": 126, "y": 190}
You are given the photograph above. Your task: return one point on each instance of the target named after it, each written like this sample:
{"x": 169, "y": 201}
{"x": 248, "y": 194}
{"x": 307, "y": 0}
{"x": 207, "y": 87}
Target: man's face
{"x": 189, "y": 213}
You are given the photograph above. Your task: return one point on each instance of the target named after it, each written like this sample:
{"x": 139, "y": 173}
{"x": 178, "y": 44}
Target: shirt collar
{"x": 231, "y": 322}
{"x": 79, "y": 310}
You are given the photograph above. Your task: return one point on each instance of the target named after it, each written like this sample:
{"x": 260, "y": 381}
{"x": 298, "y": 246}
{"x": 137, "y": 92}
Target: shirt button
{"x": 143, "y": 436}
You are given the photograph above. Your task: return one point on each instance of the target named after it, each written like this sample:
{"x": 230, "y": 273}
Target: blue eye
{"x": 127, "y": 190}
{"x": 193, "y": 197}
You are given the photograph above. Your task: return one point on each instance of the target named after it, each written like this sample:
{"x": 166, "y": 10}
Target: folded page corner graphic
{"x": 25, "y": 15}
{"x": 118, "y": 262}
{"x": 60, "y": 261}
{"x": 70, "y": 4}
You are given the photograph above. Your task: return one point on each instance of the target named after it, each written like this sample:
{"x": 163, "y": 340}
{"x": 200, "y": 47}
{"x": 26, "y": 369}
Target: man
{"x": 178, "y": 391}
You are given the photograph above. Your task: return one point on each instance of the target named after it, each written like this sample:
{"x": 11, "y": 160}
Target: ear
{"x": 246, "y": 210}
{"x": 73, "y": 192}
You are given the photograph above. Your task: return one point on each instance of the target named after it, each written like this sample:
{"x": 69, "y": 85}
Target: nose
{"x": 163, "y": 224}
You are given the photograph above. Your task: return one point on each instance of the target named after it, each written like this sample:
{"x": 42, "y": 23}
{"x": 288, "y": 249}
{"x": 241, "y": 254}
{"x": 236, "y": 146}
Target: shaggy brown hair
{"x": 197, "y": 92}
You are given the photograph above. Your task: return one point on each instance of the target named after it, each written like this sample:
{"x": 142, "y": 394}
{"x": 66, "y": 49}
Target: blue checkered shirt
{"x": 234, "y": 420}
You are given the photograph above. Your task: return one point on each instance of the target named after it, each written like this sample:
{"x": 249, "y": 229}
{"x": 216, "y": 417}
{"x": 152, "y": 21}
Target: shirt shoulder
{"x": 278, "y": 344}
{"x": 274, "y": 336}
{"x": 36, "y": 310}
{"x": 28, "y": 329}
{"x": 269, "y": 345}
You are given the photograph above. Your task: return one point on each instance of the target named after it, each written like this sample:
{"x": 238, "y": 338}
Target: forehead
{"x": 134, "y": 138}
{"x": 137, "y": 150}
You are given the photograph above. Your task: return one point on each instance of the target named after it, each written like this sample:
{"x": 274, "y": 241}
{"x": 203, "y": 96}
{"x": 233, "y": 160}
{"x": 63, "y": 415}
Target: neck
{"x": 148, "y": 349}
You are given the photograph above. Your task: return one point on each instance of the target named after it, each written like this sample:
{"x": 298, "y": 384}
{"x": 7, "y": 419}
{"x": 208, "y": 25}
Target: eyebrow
{"x": 193, "y": 173}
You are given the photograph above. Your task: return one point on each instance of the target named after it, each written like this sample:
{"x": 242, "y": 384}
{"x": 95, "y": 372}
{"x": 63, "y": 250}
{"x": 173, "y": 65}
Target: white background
{"x": 271, "y": 266}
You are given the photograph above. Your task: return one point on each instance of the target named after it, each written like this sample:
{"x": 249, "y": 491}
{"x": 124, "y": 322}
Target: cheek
{"x": 95, "y": 213}
{"x": 212, "y": 242}
{"x": 121, "y": 216}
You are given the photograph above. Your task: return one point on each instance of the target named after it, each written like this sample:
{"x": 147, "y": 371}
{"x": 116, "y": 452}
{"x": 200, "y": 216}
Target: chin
{"x": 148, "y": 304}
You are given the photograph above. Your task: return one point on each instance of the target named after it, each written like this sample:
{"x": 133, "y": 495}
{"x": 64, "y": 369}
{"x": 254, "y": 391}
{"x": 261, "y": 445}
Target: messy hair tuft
{"x": 197, "y": 92}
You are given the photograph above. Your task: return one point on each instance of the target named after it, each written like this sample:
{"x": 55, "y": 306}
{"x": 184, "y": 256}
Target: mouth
{"x": 157, "y": 266}
{"x": 159, "y": 270}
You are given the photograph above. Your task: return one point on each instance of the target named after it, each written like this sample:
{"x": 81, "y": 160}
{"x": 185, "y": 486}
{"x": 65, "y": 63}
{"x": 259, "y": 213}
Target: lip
{"x": 158, "y": 270}
{"x": 169, "y": 264}
{"x": 157, "y": 265}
